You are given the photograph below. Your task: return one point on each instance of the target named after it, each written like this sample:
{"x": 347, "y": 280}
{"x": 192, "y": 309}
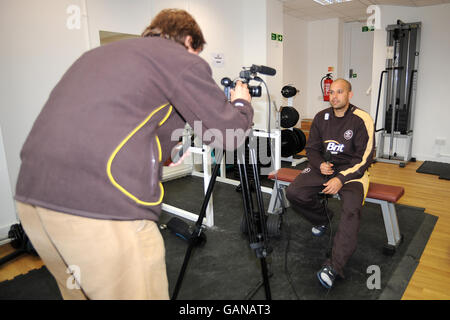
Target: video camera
{"x": 247, "y": 75}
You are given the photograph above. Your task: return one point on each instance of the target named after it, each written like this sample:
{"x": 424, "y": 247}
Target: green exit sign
{"x": 276, "y": 37}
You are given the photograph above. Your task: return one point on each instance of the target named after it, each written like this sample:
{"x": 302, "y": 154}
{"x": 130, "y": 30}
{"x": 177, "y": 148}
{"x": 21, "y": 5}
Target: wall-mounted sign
{"x": 367, "y": 28}
{"x": 217, "y": 59}
{"x": 276, "y": 37}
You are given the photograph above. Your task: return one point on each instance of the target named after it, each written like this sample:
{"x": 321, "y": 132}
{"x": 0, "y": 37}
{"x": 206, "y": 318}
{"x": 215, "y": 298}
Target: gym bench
{"x": 384, "y": 195}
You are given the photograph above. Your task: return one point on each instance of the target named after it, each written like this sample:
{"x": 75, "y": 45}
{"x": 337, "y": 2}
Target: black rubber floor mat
{"x": 436, "y": 168}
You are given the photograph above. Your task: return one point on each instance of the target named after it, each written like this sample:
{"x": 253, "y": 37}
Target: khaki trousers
{"x": 98, "y": 259}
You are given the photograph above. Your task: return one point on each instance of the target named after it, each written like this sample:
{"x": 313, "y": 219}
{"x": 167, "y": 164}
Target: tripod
{"x": 255, "y": 220}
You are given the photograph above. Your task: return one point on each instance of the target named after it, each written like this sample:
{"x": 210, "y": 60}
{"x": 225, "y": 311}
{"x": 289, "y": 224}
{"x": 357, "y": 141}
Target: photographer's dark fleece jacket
{"x": 97, "y": 147}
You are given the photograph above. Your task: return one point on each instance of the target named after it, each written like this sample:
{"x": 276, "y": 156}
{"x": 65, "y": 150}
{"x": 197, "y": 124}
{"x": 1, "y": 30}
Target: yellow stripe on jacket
{"x": 370, "y": 132}
{"x": 120, "y": 146}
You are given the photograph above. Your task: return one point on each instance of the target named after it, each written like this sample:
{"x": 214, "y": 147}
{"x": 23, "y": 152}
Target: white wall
{"x": 222, "y": 36}
{"x": 108, "y": 15}
{"x": 275, "y": 50}
{"x": 7, "y": 213}
{"x": 432, "y": 104}
{"x": 295, "y": 60}
{"x": 324, "y": 50}
{"x": 260, "y": 19}
{"x": 36, "y": 49}
{"x": 310, "y": 48}
{"x": 432, "y": 107}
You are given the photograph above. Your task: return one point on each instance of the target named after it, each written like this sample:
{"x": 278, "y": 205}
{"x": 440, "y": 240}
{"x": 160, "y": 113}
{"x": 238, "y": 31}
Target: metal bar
{"x": 394, "y": 96}
{"x": 394, "y": 222}
{"x": 388, "y": 225}
{"x": 183, "y": 213}
{"x": 378, "y": 100}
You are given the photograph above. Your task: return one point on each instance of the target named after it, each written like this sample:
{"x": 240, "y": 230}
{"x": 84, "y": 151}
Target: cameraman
{"x": 89, "y": 190}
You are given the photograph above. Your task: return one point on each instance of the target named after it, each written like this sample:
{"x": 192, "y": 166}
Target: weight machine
{"x": 403, "y": 41}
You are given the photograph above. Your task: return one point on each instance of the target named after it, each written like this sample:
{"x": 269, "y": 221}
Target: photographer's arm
{"x": 205, "y": 107}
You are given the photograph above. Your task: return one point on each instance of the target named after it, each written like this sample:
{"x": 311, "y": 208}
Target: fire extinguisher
{"x": 325, "y": 86}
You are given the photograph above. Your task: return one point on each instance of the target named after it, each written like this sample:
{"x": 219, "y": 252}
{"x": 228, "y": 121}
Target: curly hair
{"x": 176, "y": 24}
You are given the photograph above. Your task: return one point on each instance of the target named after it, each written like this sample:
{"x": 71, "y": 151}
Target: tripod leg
{"x": 247, "y": 202}
{"x": 182, "y": 272}
{"x": 260, "y": 203}
{"x": 265, "y": 275}
{"x": 262, "y": 222}
{"x": 197, "y": 232}
{"x": 257, "y": 230}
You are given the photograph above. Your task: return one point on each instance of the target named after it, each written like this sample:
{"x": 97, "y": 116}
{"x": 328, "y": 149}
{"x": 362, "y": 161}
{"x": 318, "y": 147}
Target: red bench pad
{"x": 286, "y": 174}
{"x": 385, "y": 192}
{"x": 376, "y": 190}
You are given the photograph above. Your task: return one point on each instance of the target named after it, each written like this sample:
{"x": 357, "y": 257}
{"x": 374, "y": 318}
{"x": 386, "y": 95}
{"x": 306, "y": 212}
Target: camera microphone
{"x": 263, "y": 70}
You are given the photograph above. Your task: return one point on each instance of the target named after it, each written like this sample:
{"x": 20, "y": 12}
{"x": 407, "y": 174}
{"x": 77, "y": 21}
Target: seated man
{"x": 340, "y": 150}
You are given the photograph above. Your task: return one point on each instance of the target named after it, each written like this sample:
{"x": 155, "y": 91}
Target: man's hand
{"x": 178, "y": 155}
{"x": 332, "y": 186}
{"x": 240, "y": 91}
{"x": 326, "y": 168}
{"x": 181, "y": 160}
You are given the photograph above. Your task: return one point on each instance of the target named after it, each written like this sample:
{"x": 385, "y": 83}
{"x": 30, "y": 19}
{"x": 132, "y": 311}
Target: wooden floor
{"x": 431, "y": 281}
{"x": 432, "y": 277}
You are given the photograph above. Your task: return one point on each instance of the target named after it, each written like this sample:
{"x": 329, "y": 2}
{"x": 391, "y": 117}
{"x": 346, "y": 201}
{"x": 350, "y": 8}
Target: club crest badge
{"x": 348, "y": 134}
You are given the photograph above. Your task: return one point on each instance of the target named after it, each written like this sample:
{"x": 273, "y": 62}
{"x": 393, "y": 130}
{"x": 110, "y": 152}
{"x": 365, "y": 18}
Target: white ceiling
{"x": 354, "y": 10}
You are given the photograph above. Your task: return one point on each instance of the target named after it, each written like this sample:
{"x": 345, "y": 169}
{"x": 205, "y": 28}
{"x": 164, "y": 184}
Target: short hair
{"x": 176, "y": 24}
{"x": 349, "y": 85}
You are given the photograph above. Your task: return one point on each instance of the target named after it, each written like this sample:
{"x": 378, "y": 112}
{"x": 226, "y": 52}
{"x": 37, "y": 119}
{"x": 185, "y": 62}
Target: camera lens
{"x": 255, "y": 91}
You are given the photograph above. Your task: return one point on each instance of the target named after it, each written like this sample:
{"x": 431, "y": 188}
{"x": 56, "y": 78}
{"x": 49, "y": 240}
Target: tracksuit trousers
{"x": 303, "y": 194}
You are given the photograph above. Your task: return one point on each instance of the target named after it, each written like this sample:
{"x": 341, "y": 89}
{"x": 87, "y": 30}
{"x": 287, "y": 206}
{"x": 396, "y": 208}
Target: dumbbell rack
{"x": 291, "y": 159}
{"x": 20, "y": 242}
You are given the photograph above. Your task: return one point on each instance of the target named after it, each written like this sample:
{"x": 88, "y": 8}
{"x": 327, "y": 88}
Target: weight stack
{"x": 401, "y": 121}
